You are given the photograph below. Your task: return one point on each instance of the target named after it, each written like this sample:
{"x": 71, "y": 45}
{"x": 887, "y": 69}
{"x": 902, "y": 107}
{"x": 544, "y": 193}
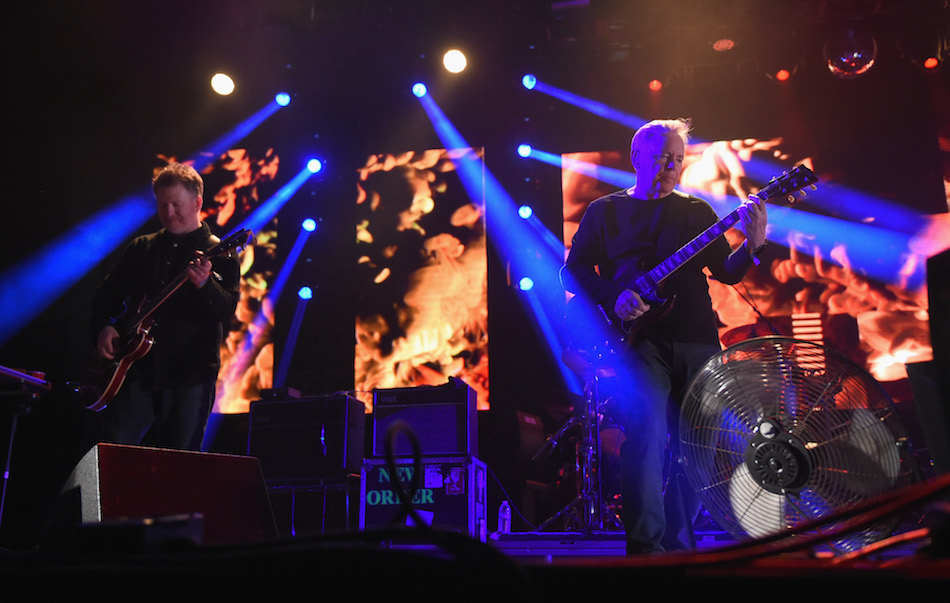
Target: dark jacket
{"x": 190, "y": 325}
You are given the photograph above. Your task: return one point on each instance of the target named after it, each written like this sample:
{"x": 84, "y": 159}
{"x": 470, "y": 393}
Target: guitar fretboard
{"x": 685, "y": 253}
{"x": 790, "y": 182}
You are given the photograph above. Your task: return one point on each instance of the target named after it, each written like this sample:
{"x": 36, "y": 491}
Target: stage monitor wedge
{"x": 117, "y": 482}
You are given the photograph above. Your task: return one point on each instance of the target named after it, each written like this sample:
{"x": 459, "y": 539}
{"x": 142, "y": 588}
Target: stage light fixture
{"x": 525, "y": 284}
{"x": 524, "y": 150}
{"x": 309, "y": 225}
{"x": 222, "y": 84}
{"x": 282, "y": 99}
{"x": 525, "y": 211}
{"x": 305, "y": 293}
{"x": 923, "y": 34}
{"x": 529, "y": 81}
{"x": 314, "y": 165}
{"x": 850, "y": 52}
{"x": 419, "y": 89}
{"x": 724, "y": 44}
{"x": 781, "y": 58}
{"x": 655, "y": 85}
{"x": 926, "y": 49}
{"x": 454, "y": 61}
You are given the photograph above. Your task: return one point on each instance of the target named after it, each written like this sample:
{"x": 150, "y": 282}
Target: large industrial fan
{"x": 776, "y": 432}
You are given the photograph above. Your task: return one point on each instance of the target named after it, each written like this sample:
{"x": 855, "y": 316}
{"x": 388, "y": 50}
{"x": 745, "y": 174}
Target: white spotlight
{"x": 222, "y": 84}
{"x": 454, "y": 61}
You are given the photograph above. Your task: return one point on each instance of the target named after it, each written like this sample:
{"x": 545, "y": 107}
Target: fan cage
{"x": 775, "y": 432}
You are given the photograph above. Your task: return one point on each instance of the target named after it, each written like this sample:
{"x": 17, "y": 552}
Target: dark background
{"x": 95, "y": 91}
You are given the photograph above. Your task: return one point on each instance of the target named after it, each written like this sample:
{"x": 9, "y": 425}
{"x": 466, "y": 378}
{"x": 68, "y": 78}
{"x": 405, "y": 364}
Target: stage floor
{"x": 449, "y": 566}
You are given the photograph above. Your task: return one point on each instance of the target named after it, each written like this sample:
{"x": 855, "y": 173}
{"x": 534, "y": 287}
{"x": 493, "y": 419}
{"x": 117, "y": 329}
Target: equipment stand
{"x": 26, "y": 388}
{"x": 588, "y": 511}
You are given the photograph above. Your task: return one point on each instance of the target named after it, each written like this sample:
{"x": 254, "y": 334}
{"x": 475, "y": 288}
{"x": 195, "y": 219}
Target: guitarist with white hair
{"x": 165, "y": 390}
{"x": 621, "y": 236}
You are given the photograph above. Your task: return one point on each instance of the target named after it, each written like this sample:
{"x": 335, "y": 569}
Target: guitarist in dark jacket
{"x": 168, "y": 394}
{"x": 621, "y": 236}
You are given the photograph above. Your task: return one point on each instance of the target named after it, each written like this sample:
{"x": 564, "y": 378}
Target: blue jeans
{"x": 651, "y": 389}
{"x": 172, "y": 417}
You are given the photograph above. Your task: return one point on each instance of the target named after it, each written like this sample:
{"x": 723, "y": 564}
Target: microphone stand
{"x": 30, "y": 387}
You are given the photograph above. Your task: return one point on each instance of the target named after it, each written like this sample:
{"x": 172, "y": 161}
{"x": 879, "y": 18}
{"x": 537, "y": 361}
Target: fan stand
{"x": 588, "y": 510}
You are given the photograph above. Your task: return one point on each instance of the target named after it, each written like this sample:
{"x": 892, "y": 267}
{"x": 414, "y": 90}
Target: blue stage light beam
{"x": 245, "y": 355}
{"x": 31, "y": 286}
{"x": 269, "y": 208}
{"x": 595, "y": 107}
{"x": 293, "y": 334}
{"x": 876, "y": 253}
{"x": 214, "y": 150}
{"x": 540, "y": 232}
{"x": 619, "y": 178}
{"x": 34, "y": 284}
{"x": 528, "y": 254}
{"x": 292, "y": 257}
{"x": 857, "y": 206}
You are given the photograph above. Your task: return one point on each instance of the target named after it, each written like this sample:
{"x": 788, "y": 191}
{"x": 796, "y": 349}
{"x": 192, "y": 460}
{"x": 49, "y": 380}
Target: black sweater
{"x": 622, "y": 236}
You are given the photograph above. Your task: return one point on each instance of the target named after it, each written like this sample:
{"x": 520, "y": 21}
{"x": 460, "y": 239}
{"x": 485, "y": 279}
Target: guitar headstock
{"x": 234, "y": 241}
{"x": 788, "y": 183}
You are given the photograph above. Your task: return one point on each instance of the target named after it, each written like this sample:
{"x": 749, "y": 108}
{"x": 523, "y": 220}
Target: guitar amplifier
{"x": 451, "y": 494}
{"x": 444, "y": 419}
{"x": 307, "y": 441}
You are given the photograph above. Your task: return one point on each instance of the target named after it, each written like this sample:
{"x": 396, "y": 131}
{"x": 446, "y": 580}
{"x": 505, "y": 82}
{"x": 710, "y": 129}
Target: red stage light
{"x": 931, "y": 63}
{"x": 655, "y": 85}
{"x": 723, "y": 45}
{"x": 782, "y": 75}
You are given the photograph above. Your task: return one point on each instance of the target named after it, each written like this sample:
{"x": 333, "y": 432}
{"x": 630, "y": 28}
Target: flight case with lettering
{"x": 451, "y": 494}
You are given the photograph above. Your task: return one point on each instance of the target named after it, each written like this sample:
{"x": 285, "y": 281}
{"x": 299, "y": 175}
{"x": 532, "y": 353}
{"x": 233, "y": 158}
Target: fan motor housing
{"x": 777, "y": 460}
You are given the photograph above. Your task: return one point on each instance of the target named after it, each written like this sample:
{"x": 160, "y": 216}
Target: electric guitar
{"x": 103, "y": 377}
{"x": 648, "y": 285}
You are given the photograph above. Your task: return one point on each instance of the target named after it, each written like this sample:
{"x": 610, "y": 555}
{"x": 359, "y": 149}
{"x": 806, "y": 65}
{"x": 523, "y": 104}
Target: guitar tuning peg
{"x": 814, "y": 187}
{"x": 791, "y": 199}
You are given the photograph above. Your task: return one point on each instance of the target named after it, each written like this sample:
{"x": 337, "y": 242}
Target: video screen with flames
{"x": 233, "y": 186}
{"x": 422, "y": 282}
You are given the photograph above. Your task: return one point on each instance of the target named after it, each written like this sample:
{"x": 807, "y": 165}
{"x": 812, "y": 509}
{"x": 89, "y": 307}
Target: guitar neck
{"x": 223, "y": 247}
{"x": 688, "y": 251}
{"x": 154, "y": 303}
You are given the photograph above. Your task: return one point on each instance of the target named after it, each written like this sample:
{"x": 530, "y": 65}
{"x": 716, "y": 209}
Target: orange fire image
{"x": 423, "y": 276}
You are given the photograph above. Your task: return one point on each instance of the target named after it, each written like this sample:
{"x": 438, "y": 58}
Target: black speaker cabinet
{"x": 931, "y": 381}
{"x": 119, "y": 482}
{"x": 307, "y": 441}
{"x": 938, "y": 293}
{"x": 443, "y": 418}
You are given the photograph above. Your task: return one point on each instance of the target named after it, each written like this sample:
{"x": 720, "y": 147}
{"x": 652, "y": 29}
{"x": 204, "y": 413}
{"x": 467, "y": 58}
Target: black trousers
{"x": 169, "y": 417}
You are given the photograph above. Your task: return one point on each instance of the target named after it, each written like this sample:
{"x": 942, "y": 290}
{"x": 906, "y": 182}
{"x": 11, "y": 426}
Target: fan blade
{"x": 757, "y": 511}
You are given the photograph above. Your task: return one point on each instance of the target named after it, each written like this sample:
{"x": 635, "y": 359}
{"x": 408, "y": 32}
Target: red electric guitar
{"x": 103, "y": 378}
{"x": 648, "y": 285}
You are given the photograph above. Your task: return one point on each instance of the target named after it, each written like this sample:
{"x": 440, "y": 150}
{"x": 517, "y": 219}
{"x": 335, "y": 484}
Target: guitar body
{"x": 103, "y": 377}
{"x": 602, "y": 345}
{"x": 634, "y": 274}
